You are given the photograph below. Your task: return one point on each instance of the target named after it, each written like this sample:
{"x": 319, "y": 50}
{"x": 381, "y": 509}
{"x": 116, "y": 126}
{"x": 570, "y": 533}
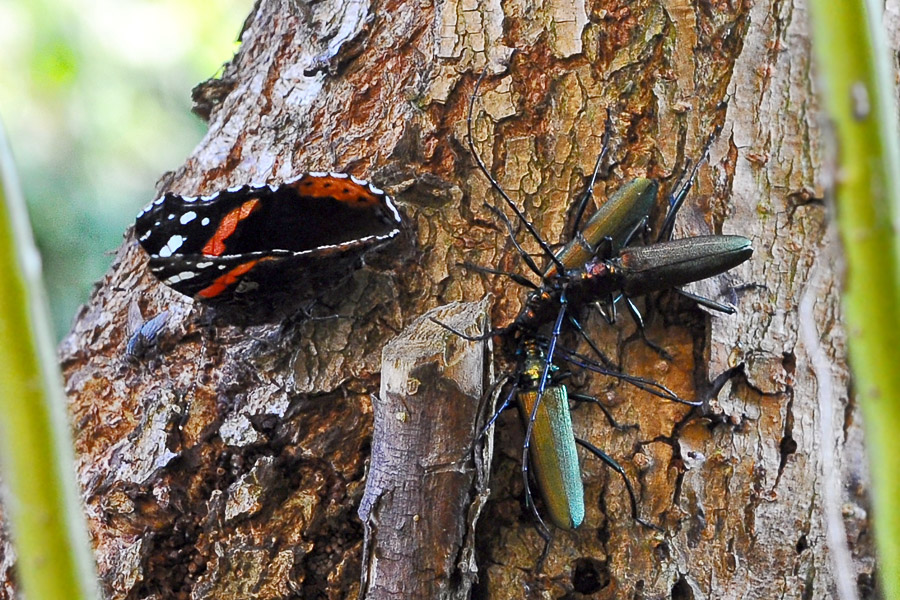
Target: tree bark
{"x": 427, "y": 479}
{"x": 230, "y": 462}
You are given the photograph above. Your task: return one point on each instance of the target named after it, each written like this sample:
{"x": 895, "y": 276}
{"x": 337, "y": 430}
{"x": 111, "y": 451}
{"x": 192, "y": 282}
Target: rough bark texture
{"x": 426, "y": 446}
{"x": 230, "y": 463}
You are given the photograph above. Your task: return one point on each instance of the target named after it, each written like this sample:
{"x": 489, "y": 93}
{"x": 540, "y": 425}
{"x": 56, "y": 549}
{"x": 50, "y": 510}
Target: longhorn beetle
{"x": 596, "y": 265}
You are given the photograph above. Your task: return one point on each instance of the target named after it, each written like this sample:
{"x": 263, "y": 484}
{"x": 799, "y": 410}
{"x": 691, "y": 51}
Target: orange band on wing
{"x": 226, "y": 280}
{"x": 216, "y": 244}
{"x": 342, "y": 189}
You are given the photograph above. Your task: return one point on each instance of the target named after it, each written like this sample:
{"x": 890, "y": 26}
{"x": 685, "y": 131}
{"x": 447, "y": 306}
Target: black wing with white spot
{"x": 205, "y": 246}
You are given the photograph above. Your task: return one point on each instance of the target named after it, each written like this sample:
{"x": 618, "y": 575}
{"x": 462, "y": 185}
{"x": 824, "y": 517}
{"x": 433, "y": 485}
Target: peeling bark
{"x": 229, "y": 463}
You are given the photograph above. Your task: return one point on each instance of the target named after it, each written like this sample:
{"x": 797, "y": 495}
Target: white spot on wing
{"x": 203, "y": 265}
{"x": 205, "y": 221}
{"x": 187, "y": 217}
{"x": 339, "y": 175}
{"x": 183, "y": 276}
{"x": 317, "y": 174}
{"x": 171, "y": 246}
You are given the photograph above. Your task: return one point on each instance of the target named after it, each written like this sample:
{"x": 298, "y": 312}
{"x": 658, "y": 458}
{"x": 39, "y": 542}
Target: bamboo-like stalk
{"x": 42, "y": 501}
{"x": 859, "y": 93}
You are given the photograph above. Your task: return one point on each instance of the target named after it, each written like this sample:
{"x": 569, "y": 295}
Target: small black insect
{"x": 145, "y": 333}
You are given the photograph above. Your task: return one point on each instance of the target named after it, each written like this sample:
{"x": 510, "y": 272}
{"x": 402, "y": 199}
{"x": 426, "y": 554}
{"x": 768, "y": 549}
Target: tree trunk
{"x": 230, "y": 462}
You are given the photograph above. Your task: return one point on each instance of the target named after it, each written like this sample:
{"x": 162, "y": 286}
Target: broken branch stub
{"x": 429, "y": 468}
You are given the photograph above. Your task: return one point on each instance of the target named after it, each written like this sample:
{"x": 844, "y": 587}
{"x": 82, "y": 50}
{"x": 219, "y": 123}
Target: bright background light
{"x": 96, "y": 99}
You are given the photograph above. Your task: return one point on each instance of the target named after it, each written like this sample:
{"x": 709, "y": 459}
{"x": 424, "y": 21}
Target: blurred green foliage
{"x": 96, "y": 98}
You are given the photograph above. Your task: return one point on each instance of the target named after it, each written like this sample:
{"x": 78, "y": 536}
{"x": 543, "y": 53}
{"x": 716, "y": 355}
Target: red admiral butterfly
{"x": 302, "y": 233}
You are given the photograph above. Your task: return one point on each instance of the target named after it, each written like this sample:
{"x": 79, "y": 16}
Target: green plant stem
{"x": 42, "y": 501}
{"x": 859, "y": 93}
